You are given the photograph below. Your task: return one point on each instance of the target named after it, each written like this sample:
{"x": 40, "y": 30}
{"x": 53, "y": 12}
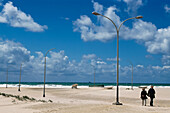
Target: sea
{"x": 80, "y": 84}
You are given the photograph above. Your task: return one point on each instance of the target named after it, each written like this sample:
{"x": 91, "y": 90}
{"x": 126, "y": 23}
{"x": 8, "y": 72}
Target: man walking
{"x": 151, "y": 94}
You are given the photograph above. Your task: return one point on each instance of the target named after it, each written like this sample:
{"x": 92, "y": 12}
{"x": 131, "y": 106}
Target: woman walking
{"x": 143, "y": 96}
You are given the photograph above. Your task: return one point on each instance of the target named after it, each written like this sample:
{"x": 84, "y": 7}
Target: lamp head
{"x": 138, "y": 17}
{"x": 95, "y": 13}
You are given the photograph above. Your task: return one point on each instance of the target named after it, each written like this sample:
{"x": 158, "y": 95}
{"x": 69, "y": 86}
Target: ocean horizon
{"x": 80, "y": 84}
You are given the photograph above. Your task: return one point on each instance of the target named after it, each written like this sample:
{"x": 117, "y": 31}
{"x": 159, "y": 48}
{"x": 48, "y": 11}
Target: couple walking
{"x": 151, "y": 94}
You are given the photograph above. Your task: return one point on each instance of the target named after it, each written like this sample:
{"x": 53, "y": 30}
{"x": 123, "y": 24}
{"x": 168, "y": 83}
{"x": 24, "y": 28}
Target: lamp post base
{"x": 43, "y": 95}
{"x": 18, "y": 89}
{"x": 117, "y": 103}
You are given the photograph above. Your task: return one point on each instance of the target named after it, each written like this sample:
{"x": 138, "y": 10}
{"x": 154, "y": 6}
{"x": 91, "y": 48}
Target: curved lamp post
{"x": 45, "y": 70}
{"x": 117, "y": 29}
{"x": 20, "y": 77}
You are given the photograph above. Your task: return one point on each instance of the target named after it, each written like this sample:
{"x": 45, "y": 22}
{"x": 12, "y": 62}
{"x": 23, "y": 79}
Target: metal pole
{"x": 94, "y": 75}
{"x": 117, "y": 95}
{"x": 132, "y": 78}
{"x": 7, "y": 78}
{"x": 44, "y": 76}
{"x": 117, "y": 29}
{"x": 20, "y": 77}
{"x": 45, "y": 71}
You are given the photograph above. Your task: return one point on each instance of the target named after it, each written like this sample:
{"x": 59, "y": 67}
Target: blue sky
{"x": 29, "y": 28}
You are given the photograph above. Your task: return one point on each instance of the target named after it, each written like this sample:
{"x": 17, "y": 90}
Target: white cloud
{"x": 133, "y": 6}
{"x": 167, "y": 9}
{"x": 166, "y": 59}
{"x": 141, "y": 31}
{"x": 140, "y": 66}
{"x": 111, "y": 59}
{"x": 89, "y": 56}
{"x": 89, "y": 31}
{"x": 161, "y": 41}
{"x": 155, "y": 40}
{"x": 97, "y": 7}
{"x": 166, "y": 67}
{"x": 13, "y": 53}
{"x": 101, "y": 62}
{"x": 16, "y": 18}
{"x": 157, "y": 67}
{"x": 59, "y": 65}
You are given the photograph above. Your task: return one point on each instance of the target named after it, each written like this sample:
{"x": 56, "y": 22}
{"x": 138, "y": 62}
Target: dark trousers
{"x": 151, "y": 102}
{"x": 143, "y": 101}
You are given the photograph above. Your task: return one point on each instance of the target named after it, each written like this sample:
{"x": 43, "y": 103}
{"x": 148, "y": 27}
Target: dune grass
{"x": 23, "y": 98}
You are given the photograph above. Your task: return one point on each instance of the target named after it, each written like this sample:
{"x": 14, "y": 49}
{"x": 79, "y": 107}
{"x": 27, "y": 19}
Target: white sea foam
{"x": 41, "y": 86}
{"x": 69, "y": 86}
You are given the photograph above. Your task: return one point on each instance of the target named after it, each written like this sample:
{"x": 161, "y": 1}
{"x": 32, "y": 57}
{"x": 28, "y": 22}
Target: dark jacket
{"x": 143, "y": 95}
{"x": 151, "y": 93}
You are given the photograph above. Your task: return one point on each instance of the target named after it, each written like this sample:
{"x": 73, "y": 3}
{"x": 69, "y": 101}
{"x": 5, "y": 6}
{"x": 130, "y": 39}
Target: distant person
{"x": 143, "y": 96}
{"x": 151, "y": 94}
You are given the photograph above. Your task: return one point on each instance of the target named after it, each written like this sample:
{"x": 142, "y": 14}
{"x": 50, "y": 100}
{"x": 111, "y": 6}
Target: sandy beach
{"x": 82, "y": 100}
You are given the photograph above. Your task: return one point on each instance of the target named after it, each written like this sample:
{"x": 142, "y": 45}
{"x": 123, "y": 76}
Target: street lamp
{"x": 45, "y": 70}
{"x": 117, "y": 29}
{"x": 20, "y": 77}
{"x": 7, "y": 77}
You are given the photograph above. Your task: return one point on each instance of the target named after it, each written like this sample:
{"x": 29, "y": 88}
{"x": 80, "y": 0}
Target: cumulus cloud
{"x": 59, "y": 65}
{"x": 141, "y": 31}
{"x": 156, "y": 40}
{"x": 166, "y": 59}
{"x": 144, "y": 73}
{"x": 105, "y": 31}
{"x": 133, "y": 6}
{"x": 97, "y": 6}
{"x": 111, "y": 59}
{"x": 140, "y": 66}
{"x": 16, "y": 18}
{"x": 101, "y": 62}
{"x": 13, "y": 53}
{"x": 89, "y": 56}
{"x": 89, "y": 31}
{"x": 161, "y": 41}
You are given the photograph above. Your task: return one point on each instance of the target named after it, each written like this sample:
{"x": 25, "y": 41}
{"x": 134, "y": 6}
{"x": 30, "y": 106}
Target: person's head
{"x": 143, "y": 89}
{"x": 152, "y": 86}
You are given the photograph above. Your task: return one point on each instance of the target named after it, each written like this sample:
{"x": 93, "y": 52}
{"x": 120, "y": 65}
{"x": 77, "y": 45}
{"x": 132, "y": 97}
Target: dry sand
{"x": 83, "y": 100}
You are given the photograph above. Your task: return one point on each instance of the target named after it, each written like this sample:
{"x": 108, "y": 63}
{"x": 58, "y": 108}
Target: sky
{"x": 83, "y": 41}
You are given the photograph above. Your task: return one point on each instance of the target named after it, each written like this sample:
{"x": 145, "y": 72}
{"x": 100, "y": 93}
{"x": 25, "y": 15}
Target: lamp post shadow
{"x": 45, "y": 70}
